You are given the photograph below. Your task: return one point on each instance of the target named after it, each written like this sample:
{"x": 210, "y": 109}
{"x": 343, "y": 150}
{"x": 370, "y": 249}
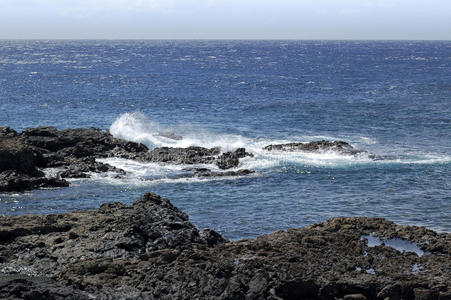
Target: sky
{"x": 226, "y": 19}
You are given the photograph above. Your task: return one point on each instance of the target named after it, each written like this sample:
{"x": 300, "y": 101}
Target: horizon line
{"x": 217, "y": 39}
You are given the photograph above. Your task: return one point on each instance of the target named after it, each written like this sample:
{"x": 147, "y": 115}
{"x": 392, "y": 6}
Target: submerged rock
{"x": 170, "y": 135}
{"x": 201, "y": 172}
{"x": 150, "y": 250}
{"x": 318, "y": 146}
{"x": 79, "y": 168}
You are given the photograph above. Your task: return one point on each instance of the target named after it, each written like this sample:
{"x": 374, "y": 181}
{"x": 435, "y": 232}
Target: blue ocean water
{"x": 390, "y": 98}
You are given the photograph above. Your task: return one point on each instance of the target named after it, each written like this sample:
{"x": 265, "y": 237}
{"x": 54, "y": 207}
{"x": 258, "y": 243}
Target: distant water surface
{"x": 390, "y": 98}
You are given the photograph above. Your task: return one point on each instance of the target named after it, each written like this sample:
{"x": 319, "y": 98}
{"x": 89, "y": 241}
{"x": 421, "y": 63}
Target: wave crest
{"x": 139, "y": 128}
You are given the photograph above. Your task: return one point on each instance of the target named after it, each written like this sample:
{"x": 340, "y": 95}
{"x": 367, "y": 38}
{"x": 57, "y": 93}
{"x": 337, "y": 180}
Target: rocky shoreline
{"x": 150, "y": 250}
{"x": 75, "y": 152}
{"x": 24, "y": 156}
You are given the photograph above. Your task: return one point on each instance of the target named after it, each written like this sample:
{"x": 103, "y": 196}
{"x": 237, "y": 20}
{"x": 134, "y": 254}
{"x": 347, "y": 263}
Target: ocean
{"x": 391, "y": 98}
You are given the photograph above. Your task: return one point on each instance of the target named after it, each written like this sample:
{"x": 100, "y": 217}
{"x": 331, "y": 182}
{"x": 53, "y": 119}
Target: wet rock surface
{"x": 317, "y": 146}
{"x": 13, "y": 181}
{"x": 150, "y": 250}
{"x": 231, "y": 159}
{"x": 24, "y": 155}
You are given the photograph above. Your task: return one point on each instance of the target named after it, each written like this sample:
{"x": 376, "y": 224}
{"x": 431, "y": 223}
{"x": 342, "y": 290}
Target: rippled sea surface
{"x": 392, "y": 99}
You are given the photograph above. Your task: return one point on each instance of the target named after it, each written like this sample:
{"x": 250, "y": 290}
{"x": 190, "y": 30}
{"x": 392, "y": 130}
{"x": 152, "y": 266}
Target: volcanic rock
{"x": 150, "y": 250}
{"x": 23, "y": 155}
{"x": 231, "y": 159}
{"x": 18, "y": 167}
{"x": 190, "y": 155}
{"x": 79, "y": 142}
{"x": 6, "y": 131}
{"x": 204, "y": 172}
{"x": 13, "y": 181}
{"x": 37, "y": 288}
{"x": 75, "y": 151}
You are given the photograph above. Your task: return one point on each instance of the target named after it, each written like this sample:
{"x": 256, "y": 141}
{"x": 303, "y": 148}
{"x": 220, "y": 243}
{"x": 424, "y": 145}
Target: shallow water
{"x": 395, "y": 243}
{"x": 390, "y": 98}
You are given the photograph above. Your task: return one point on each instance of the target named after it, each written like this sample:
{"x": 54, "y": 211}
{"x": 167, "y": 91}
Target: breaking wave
{"x": 139, "y": 128}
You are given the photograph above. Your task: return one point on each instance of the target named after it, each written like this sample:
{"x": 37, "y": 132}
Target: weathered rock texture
{"x": 24, "y": 155}
{"x": 151, "y": 251}
{"x": 18, "y": 167}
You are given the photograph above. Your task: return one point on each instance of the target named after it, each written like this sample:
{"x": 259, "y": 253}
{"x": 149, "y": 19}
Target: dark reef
{"x": 150, "y": 250}
{"x": 24, "y": 156}
{"x": 317, "y": 146}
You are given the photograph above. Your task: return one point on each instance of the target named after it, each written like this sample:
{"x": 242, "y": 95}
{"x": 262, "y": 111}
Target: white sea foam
{"x": 149, "y": 169}
{"x": 138, "y": 128}
{"x": 145, "y": 174}
{"x": 418, "y": 160}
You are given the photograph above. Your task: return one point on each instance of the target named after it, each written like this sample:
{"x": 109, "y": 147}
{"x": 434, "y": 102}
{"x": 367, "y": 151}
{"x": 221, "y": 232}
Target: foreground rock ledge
{"x": 150, "y": 250}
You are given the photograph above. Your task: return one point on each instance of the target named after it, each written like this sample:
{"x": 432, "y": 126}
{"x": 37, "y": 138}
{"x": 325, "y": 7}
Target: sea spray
{"x": 137, "y": 127}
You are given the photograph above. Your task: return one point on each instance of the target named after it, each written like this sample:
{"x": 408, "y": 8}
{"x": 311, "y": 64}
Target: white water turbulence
{"x": 137, "y": 127}
{"x": 143, "y": 174}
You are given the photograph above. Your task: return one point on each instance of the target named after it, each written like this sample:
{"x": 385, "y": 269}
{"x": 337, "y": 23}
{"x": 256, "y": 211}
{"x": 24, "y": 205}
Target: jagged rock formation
{"x": 18, "y": 167}
{"x": 151, "y": 251}
{"x": 231, "y": 159}
{"x": 23, "y": 155}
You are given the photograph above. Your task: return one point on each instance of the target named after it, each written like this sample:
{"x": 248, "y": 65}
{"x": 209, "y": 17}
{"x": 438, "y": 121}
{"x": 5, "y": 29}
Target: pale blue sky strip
{"x": 226, "y": 19}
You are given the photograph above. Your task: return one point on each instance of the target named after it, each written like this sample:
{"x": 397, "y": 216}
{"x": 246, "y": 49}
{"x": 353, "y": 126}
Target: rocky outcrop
{"x": 317, "y": 146}
{"x": 231, "y": 159}
{"x": 37, "y": 288}
{"x": 15, "y": 155}
{"x": 61, "y": 147}
{"x": 6, "y": 131}
{"x": 150, "y": 250}
{"x": 24, "y": 155}
{"x": 190, "y": 155}
{"x": 18, "y": 166}
{"x": 13, "y": 181}
{"x": 115, "y": 231}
